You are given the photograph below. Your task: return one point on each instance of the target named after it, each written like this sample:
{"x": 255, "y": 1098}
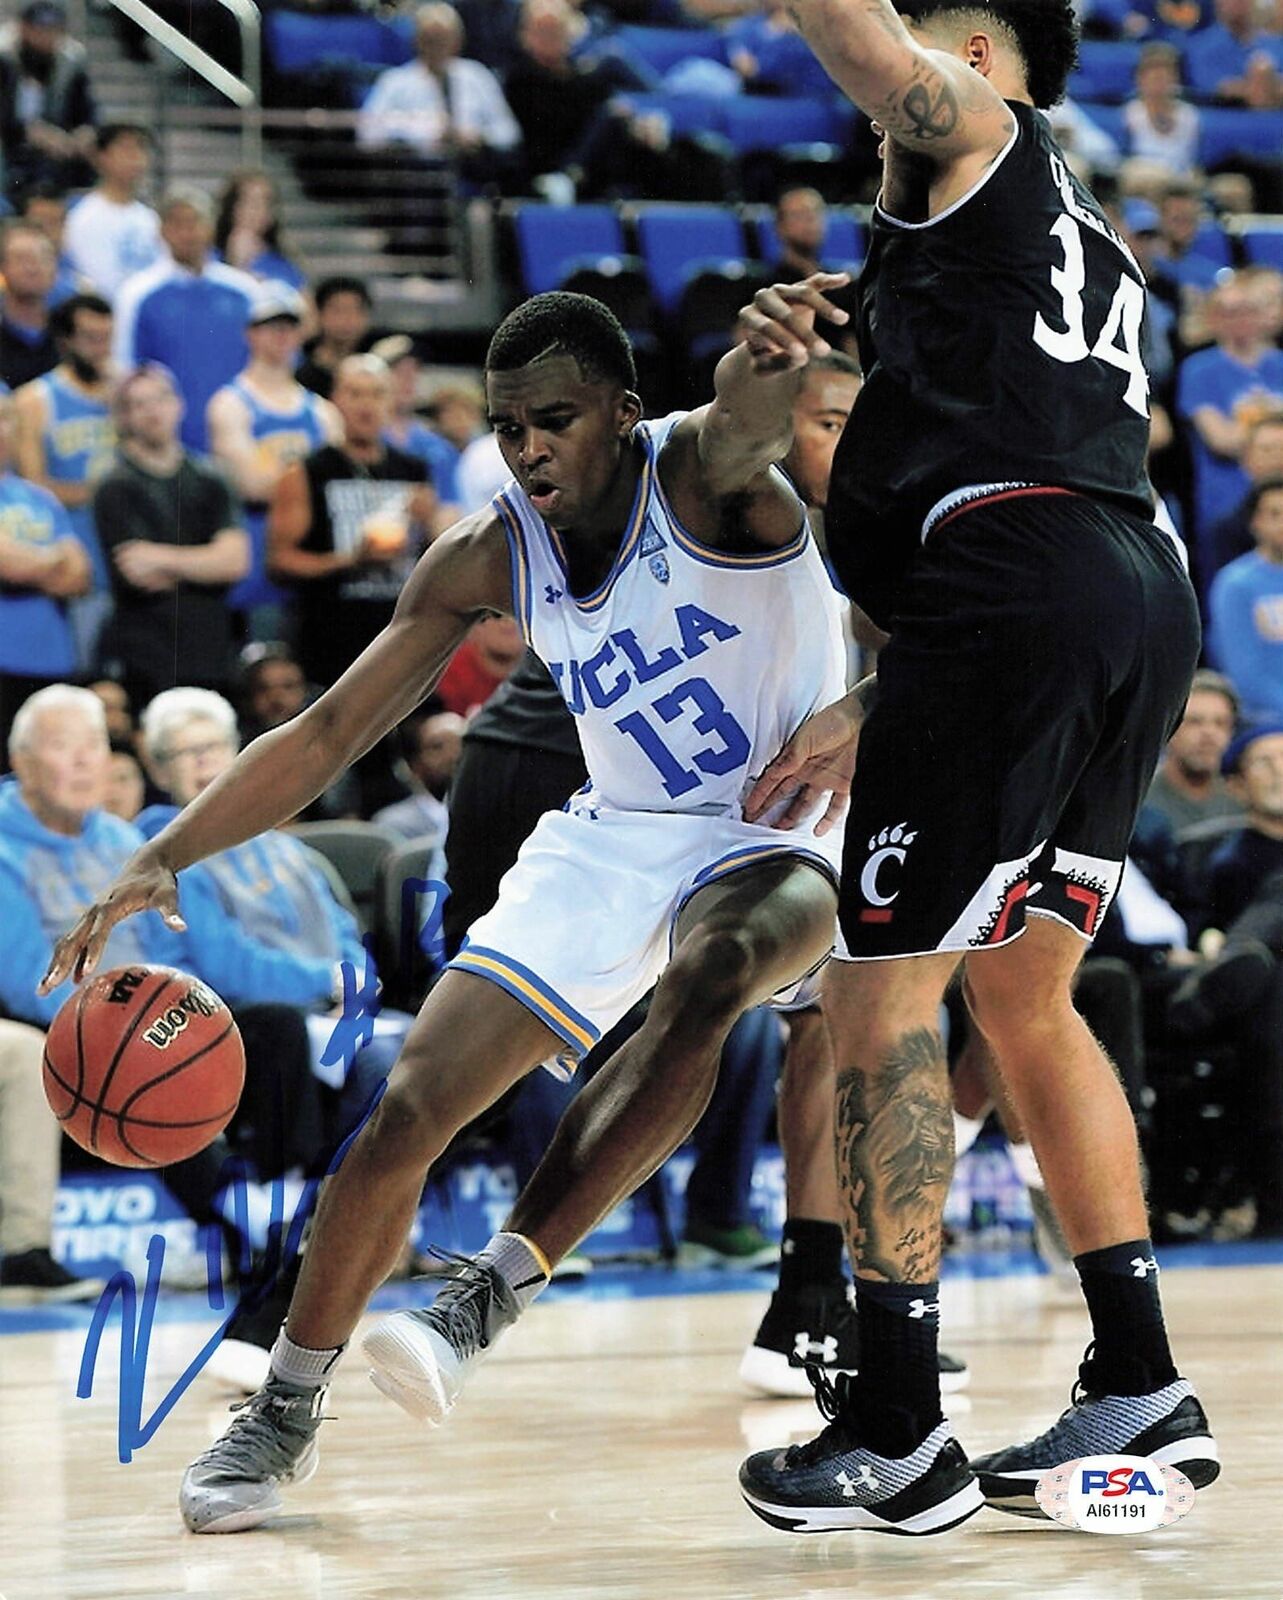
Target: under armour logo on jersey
{"x": 807, "y": 1349}
{"x": 863, "y": 1479}
{"x": 1142, "y": 1266}
{"x": 552, "y": 595}
{"x": 921, "y": 1308}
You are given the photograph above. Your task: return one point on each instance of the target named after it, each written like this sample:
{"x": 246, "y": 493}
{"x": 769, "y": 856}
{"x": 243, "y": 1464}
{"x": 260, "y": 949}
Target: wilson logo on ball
{"x": 197, "y": 1002}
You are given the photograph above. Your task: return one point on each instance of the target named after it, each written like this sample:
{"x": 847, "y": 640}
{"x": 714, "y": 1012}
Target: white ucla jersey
{"x": 687, "y": 668}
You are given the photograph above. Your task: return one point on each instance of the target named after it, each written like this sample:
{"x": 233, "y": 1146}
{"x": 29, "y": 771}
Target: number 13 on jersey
{"x": 1118, "y": 341}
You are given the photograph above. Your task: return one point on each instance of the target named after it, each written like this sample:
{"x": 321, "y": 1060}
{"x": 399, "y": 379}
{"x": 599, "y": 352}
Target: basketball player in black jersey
{"x": 989, "y": 509}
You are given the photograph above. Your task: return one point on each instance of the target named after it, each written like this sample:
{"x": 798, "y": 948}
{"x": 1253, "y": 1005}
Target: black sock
{"x": 810, "y": 1253}
{"x": 896, "y": 1393}
{"x": 1121, "y": 1285}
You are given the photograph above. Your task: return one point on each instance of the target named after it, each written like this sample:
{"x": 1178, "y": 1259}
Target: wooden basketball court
{"x": 595, "y": 1456}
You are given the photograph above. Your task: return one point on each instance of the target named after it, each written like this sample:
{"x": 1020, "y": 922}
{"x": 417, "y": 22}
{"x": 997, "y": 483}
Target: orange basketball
{"x": 144, "y": 1066}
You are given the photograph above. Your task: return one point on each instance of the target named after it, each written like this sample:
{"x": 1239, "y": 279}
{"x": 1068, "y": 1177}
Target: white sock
{"x": 1025, "y": 1162}
{"x": 520, "y": 1263}
{"x": 296, "y": 1364}
{"x": 966, "y": 1130}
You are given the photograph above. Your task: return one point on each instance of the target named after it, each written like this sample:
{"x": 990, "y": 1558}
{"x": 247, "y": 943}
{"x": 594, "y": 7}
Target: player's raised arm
{"x": 931, "y": 101}
{"x": 723, "y": 453}
{"x": 462, "y": 577}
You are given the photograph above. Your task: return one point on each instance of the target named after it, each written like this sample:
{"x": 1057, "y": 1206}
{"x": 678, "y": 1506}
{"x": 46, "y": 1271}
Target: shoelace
{"x": 257, "y": 1437}
{"x": 465, "y": 1300}
{"x": 831, "y": 1396}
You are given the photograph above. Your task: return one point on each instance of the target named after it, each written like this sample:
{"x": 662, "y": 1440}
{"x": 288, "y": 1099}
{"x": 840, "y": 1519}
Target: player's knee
{"x": 1011, "y": 1004}
{"x": 716, "y": 970}
{"x": 414, "y": 1122}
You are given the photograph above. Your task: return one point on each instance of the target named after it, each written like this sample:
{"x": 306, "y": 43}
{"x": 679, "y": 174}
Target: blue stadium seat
{"x": 296, "y": 42}
{"x": 753, "y": 122}
{"x": 676, "y": 241}
{"x": 551, "y": 240}
{"x": 1109, "y": 119}
{"x": 1211, "y": 241}
{"x": 1264, "y": 246}
{"x": 1106, "y": 70}
{"x": 1226, "y": 132}
{"x": 844, "y": 239}
{"x": 662, "y": 48}
{"x": 686, "y": 113}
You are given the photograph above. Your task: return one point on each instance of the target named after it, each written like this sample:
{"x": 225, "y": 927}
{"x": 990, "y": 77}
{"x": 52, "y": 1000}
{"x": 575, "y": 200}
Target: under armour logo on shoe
{"x": 1142, "y": 1266}
{"x": 551, "y": 594}
{"x": 807, "y": 1349}
{"x": 850, "y": 1487}
{"x": 921, "y": 1308}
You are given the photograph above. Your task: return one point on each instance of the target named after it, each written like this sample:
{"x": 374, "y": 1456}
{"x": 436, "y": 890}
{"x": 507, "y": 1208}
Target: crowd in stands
{"x": 216, "y": 475}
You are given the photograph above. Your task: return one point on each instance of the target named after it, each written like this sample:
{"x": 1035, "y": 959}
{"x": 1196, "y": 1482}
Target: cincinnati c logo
{"x": 892, "y": 844}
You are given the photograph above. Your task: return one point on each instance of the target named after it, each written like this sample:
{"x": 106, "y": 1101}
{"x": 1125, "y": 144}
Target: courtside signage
{"x": 1115, "y": 1494}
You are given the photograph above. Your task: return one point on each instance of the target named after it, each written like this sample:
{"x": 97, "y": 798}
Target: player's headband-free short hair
{"x": 559, "y": 323}
{"x": 1045, "y": 33}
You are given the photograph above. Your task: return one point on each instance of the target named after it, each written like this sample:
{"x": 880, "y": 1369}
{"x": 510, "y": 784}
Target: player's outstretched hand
{"x": 143, "y": 885}
{"x": 780, "y": 324}
{"x": 818, "y": 761}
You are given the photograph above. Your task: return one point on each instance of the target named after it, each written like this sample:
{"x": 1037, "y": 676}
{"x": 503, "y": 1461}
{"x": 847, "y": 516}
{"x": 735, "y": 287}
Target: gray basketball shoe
{"x": 237, "y": 1483}
{"x": 420, "y": 1359}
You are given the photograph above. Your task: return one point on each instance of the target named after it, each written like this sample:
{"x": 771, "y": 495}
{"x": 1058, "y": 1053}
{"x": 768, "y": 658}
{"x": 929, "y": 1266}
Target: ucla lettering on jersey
{"x": 687, "y": 668}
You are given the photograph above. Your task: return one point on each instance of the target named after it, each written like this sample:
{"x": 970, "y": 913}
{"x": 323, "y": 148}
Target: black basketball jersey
{"x": 1001, "y": 343}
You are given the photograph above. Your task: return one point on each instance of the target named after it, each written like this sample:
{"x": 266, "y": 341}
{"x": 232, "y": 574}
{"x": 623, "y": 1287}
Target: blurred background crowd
{"x": 224, "y": 443}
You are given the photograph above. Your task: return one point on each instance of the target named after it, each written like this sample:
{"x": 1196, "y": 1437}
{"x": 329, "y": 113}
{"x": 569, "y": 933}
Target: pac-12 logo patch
{"x": 1115, "y": 1494}
{"x": 879, "y": 880}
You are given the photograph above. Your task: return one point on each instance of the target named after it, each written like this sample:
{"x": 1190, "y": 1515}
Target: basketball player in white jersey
{"x": 666, "y": 574}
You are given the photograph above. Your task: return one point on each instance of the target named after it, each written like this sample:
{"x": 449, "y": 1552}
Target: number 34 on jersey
{"x": 1118, "y": 340}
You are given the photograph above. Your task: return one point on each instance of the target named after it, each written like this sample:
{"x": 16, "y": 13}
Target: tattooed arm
{"x": 928, "y": 101}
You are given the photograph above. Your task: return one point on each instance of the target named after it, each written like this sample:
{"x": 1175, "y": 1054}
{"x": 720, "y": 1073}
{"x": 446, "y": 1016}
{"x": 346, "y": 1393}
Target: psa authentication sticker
{"x": 1115, "y": 1494}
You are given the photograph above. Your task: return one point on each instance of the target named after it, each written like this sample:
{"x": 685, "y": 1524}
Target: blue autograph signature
{"x": 361, "y": 1005}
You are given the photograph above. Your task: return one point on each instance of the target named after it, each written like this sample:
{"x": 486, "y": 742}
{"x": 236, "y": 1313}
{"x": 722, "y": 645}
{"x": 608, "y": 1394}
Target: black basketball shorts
{"x": 1040, "y": 661}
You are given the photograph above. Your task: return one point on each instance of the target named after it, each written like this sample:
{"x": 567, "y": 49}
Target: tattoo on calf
{"x": 895, "y": 1158}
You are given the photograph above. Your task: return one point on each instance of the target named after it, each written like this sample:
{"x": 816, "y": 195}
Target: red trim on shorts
{"x": 993, "y": 499}
{"x": 1015, "y": 895}
{"x": 1088, "y": 898}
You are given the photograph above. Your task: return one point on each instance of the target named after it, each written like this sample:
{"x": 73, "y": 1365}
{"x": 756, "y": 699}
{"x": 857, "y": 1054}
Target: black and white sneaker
{"x": 1168, "y": 1425}
{"x": 816, "y": 1326}
{"x": 33, "y": 1277}
{"x": 835, "y": 1482}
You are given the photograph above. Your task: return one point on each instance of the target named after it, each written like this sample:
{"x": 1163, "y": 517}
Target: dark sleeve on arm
{"x": 111, "y": 513}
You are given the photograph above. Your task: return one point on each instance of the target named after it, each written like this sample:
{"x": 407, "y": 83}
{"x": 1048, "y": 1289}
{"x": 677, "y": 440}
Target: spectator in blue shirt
{"x": 43, "y": 563}
{"x": 1181, "y": 257}
{"x": 407, "y": 431}
{"x": 247, "y": 232}
{"x": 65, "y": 440}
{"x": 188, "y": 312}
{"x": 1247, "y": 608}
{"x": 262, "y": 921}
{"x": 1221, "y": 392}
{"x": 59, "y": 849}
{"x": 1234, "y": 61}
